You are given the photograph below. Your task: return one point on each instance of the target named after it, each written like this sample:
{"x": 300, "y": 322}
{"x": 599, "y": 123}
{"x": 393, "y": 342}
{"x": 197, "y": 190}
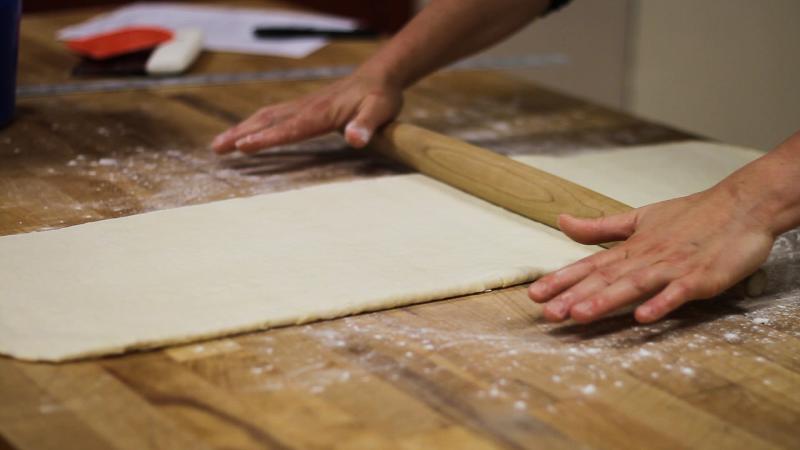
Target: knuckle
{"x": 603, "y": 258}
{"x": 699, "y": 287}
{"x": 591, "y": 262}
{"x": 599, "y": 301}
{"x": 599, "y": 223}
{"x": 681, "y": 289}
{"x": 642, "y": 281}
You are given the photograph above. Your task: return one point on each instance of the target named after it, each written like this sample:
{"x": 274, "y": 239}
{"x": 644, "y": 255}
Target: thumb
{"x": 598, "y": 230}
{"x": 375, "y": 112}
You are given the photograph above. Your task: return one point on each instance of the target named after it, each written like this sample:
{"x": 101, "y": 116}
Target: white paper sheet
{"x": 224, "y": 29}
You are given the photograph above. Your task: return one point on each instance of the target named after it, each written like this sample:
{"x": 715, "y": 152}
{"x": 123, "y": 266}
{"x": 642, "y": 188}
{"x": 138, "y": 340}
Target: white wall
{"x": 728, "y": 69}
{"x": 593, "y": 35}
{"x": 725, "y": 69}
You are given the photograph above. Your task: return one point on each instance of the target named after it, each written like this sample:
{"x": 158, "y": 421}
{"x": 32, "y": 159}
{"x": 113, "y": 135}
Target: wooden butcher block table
{"x": 480, "y": 371}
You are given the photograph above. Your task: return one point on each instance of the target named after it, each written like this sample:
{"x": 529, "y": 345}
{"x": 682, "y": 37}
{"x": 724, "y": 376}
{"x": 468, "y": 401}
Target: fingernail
{"x": 558, "y": 310}
{"x": 646, "y": 312}
{"x": 361, "y": 133}
{"x": 538, "y": 290}
{"x": 244, "y": 141}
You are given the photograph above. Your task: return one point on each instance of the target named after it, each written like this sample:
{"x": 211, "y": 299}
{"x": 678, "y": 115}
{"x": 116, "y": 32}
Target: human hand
{"x": 675, "y": 251}
{"x": 357, "y": 104}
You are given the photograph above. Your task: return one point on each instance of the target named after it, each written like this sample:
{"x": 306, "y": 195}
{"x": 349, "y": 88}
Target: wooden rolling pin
{"x": 504, "y": 182}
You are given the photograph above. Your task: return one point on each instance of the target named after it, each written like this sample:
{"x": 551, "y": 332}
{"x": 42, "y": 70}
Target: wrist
{"x": 381, "y": 74}
{"x": 763, "y": 193}
{"x": 748, "y": 202}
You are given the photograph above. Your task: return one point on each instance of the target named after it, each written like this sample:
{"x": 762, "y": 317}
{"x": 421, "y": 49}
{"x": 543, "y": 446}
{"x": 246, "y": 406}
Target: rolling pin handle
{"x": 504, "y": 182}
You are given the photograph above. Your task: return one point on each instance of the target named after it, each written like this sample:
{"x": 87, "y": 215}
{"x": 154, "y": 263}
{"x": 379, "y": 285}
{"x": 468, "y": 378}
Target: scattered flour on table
{"x": 389, "y": 347}
{"x": 172, "y": 177}
{"x": 732, "y": 337}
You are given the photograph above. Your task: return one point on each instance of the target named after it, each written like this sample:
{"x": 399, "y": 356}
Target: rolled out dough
{"x": 209, "y": 270}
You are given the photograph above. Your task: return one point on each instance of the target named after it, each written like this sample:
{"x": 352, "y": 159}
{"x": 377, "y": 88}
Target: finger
{"x": 674, "y": 295}
{"x": 558, "y": 309}
{"x": 287, "y": 132}
{"x": 375, "y": 112}
{"x": 226, "y": 141}
{"x": 357, "y": 135}
{"x": 633, "y": 286}
{"x": 598, "y": 230}
{"x": 554, "y": 283}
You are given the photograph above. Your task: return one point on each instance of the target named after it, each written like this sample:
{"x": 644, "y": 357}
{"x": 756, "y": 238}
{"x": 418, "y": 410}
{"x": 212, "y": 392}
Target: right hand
{"x": 357, "y": 104}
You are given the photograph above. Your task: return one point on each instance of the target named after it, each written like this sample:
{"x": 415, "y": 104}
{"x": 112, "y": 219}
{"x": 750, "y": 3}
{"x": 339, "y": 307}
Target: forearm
{"x": 769, "y": 187}
{"x": 445, "y": 31}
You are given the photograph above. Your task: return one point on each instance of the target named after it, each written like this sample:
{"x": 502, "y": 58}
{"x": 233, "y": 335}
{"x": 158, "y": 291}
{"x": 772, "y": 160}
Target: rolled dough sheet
{"x": 203, "y": 271}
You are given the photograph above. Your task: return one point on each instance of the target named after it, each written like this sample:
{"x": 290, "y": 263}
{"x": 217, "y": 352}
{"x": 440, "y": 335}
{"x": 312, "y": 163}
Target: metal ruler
{"x": 313, "y": 73}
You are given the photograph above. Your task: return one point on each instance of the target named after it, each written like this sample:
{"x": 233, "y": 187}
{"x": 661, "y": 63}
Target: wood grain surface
{"x": 476, "y": 372}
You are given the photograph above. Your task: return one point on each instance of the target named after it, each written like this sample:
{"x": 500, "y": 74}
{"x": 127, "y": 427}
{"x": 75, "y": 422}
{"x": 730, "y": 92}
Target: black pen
{"x": 299, "y": 32}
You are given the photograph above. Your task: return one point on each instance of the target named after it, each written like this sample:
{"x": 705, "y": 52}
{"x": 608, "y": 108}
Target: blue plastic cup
{"x": 10, "y": 11}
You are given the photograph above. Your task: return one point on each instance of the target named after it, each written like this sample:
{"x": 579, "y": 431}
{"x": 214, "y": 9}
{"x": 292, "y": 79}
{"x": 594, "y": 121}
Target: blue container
{"x": 10, "y": 11}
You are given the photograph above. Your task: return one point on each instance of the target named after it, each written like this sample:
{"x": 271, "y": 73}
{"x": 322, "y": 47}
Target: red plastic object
{"x": 119, "y": 42}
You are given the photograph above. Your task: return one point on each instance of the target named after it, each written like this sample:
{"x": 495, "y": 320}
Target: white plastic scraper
{"x": 176, "y": 55}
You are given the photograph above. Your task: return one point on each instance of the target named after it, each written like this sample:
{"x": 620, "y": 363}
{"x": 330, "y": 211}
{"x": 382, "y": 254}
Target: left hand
{"x": 357, "y": 105}
{"x": 675, "y": 251}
